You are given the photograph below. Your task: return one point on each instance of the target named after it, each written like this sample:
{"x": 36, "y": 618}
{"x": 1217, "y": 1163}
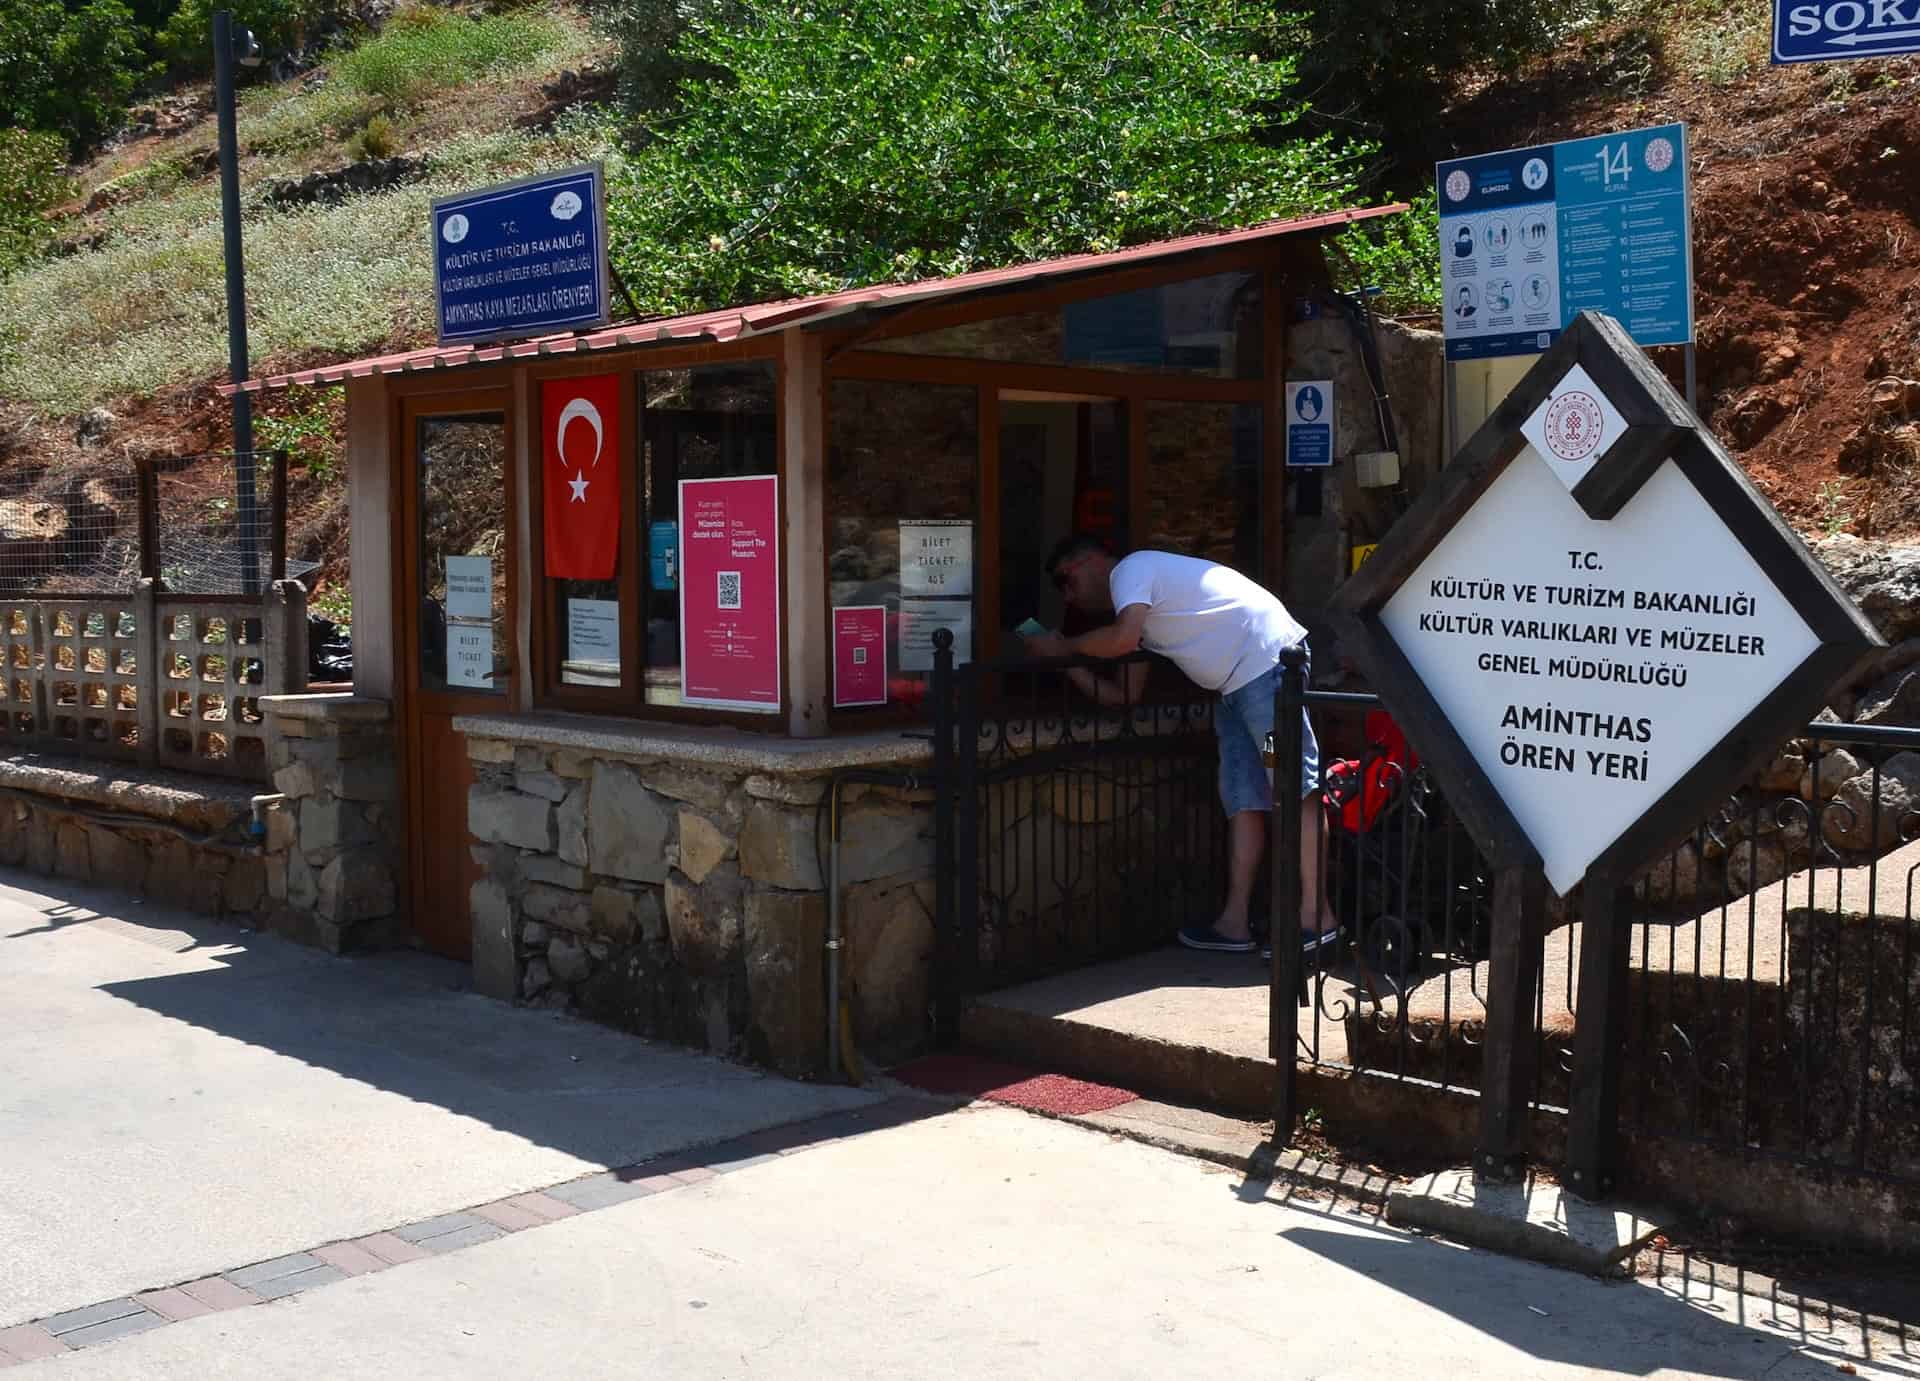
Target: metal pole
{"x": 223, "y": 57}
{"x": 1691, "y": 402}
{"x": 1287, "y": 978}
{"x": 1453, "y": 414}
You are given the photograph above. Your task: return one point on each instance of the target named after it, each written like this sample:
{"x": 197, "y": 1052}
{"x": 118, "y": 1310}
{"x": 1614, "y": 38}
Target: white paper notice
{"x": 936, "y": 557}
{"x": 470, "y": 587}
{"x": 920, "y": 619}
{"x": 470, "y": 654}
{"x": 593, "y": 634}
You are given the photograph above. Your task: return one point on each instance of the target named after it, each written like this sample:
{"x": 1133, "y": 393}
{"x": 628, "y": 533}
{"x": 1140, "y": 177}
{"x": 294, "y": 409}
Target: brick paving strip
{"x": 290, "y": 1275}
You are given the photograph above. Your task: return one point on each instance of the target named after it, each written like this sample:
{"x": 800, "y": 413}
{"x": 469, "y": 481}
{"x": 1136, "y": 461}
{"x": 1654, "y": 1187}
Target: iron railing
{"x": 1760, "y": 993}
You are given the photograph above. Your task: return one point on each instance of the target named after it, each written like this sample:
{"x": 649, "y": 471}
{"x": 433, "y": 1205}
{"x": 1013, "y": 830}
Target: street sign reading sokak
{"x": 1592, "y": 625}
{"x": 1837, "y": 29}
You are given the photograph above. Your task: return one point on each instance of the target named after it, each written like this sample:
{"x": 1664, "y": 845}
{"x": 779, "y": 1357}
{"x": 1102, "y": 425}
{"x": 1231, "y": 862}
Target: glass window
{"x": 1063, "y": 469}
{"x": 706, "y": 422}
{"x": 902, "y": 483}
{"x": 1203, "y": 482}
{"x": 1208, "y": 325}
{"x": 463, "y": 574}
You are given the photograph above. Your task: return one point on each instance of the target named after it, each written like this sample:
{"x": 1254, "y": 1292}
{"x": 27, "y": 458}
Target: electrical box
{"x": 1376, "y": 469}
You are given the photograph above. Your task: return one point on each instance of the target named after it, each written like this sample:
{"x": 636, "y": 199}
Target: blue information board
{"x": 523, "y": 258}
{"x": 1531, "y": 237}
{"x": 1827, "y": 32}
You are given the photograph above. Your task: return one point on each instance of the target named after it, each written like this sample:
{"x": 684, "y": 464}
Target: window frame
{"x": 1286, "y": 269}
{"x": 548, "y": 632}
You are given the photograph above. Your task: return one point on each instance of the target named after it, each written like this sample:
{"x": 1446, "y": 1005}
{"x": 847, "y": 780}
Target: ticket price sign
{"x": 730, "y": 593}
{"x": 1593, "y": 628}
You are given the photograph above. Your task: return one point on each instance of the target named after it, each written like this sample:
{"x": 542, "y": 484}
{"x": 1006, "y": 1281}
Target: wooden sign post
{"x": 1592, "y": 627}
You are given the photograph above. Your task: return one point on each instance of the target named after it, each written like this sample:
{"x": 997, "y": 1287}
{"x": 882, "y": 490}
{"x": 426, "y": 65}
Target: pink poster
{"x": 859, "y": 655}
{"x": 730, "y": 593}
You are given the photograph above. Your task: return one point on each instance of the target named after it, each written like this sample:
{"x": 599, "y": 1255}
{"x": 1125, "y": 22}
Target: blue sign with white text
{"x": 1829, "y": 32}
{"x": 1531, "y": 237}
{"x": 525, "y": 258}
{"x": 1310, "y": 423}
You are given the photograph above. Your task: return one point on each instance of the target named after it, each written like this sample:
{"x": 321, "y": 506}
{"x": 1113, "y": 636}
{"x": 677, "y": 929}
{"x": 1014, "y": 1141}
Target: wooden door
{"x": 456, "y": 615}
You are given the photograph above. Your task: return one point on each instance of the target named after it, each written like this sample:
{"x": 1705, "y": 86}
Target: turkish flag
{"x": 580, "y": 472}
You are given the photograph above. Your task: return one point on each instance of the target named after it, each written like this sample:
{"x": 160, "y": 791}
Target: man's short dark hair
{"x": 1079, "y": 544}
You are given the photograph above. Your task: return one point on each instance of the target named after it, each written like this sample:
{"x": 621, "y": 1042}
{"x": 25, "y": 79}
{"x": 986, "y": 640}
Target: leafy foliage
{"x": 653, "y": 64}
{"x": 1400, "y": 255}
{"x": 876, "y": 140}
{"x": 30, "y": 182}
{"x": 373, "y": 141}
{"x": 67, "y": 69}
{"x": 185, "y": 38}
{"x": 1387, "y": 64}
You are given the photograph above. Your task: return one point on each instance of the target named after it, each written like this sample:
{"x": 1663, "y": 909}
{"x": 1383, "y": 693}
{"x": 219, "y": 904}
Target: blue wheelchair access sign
{"x": 1835, "y": 30}
{"x": 523, "y": 258}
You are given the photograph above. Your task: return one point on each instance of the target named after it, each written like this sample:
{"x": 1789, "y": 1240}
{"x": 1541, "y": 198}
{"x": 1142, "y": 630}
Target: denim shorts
{"x": 1242, "y": 720}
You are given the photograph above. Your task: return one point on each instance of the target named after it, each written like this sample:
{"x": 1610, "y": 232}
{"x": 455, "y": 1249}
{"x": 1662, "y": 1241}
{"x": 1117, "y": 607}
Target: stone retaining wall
{"x": 685, "y": 900}
{"x": 319, "y": 866}
{"x": 148, "y": 833}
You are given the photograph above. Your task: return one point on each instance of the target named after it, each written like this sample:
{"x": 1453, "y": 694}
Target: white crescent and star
{"x": 582, "y": 409}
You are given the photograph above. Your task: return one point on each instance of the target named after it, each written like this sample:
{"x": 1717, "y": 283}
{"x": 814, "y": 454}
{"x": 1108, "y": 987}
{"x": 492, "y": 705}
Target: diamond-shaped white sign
{"x": 1574, "y": 428}
{"x": 1588, "y": 665}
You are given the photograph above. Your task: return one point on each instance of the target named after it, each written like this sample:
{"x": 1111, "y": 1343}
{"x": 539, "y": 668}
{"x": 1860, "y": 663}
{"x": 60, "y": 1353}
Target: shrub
{"x": 31, "y": 180}
{"x": 374, "y": 140}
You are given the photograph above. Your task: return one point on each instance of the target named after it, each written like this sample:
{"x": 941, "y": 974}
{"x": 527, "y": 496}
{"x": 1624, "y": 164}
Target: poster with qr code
{"x": 859, "y": 655}
{"x": 729, "y": 588}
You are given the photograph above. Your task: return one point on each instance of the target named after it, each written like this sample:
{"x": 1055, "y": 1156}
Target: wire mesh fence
{"x": 212, "y": 524}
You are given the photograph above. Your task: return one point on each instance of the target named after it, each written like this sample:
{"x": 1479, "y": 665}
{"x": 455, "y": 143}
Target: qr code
{"x": 729, "y": 596}
{"x": 859, "y": 656}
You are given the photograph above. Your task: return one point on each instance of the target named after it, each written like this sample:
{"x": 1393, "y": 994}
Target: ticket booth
{"x": 632, "y": 596}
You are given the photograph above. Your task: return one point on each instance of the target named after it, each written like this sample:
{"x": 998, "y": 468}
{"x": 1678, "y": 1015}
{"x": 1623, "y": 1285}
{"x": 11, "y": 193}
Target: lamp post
{"x": 234, "y": 44}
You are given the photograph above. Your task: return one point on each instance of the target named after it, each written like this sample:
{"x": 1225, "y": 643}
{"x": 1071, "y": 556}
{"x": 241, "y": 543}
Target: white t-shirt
{"x": 1217, "y": 626}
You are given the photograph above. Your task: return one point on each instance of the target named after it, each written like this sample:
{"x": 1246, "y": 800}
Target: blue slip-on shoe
{"x": 1206, "y": 937}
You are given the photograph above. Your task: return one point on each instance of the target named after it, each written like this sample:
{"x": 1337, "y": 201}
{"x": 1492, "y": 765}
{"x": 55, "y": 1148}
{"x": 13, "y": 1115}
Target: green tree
{"x": 68, "y": 68}
{"x": 893, "y": 139}
{"x": 30, "y": 182}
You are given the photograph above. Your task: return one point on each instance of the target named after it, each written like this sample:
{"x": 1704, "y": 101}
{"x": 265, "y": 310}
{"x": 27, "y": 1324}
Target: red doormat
{"x": 974, "y": 1077}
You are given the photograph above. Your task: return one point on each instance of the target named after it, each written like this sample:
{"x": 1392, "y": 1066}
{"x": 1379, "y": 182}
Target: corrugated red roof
{"x": 766, "y": 318}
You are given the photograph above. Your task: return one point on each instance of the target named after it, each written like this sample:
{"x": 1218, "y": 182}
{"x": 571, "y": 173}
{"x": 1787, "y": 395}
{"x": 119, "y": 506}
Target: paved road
{"x": 985, "y": 1243}
{"x": 179, "y": 1097}
{"x": 175, "y": 1104}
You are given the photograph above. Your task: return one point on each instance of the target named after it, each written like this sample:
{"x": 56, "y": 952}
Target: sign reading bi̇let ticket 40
{"x": 1593, "y": 624}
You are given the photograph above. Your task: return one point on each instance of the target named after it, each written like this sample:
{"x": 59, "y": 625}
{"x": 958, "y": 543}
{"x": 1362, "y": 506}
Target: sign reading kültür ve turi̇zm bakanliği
{"x": 522, "y": 258}
{"x": 1592, "y": 624}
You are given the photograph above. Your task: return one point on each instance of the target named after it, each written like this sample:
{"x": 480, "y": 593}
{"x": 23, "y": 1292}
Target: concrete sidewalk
{"x": 179, "y": 1098}
{"x": 984, "y": 1242}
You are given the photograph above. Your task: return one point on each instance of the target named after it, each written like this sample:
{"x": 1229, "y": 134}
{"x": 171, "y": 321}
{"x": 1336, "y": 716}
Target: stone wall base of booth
{"x": 683, "y": 897}
{"x": 333, "y": 865}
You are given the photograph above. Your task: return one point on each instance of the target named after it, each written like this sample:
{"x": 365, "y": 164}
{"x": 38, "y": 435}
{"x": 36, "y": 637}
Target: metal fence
{"x": 1754, "y": 990}
{"x": 185, "y": 521}
{"x": 1078, "y": 832}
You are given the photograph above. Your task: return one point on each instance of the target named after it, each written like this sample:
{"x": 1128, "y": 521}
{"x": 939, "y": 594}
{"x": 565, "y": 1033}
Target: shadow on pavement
{"x": 1612, "y": 1327}
{"x": 407, "y": 1023}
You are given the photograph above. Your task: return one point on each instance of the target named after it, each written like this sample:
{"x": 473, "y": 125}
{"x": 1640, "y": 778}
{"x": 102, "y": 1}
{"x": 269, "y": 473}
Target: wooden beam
{"x": 803, "y": 488}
